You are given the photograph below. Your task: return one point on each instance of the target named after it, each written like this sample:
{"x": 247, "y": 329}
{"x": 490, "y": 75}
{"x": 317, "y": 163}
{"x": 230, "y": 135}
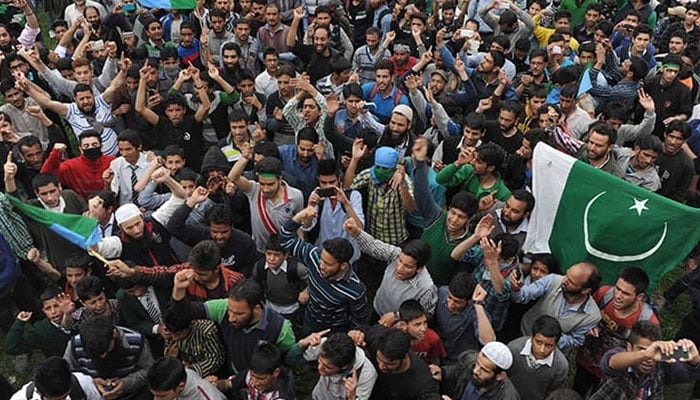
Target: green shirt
{"x": 450, "y": 176}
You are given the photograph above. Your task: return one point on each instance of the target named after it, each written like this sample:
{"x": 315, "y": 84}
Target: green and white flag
{"x": 582, "y": 213}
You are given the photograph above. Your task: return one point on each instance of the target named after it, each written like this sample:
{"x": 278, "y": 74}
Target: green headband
{"x": 671, "y": 65}
{"x": 268, "y": 175}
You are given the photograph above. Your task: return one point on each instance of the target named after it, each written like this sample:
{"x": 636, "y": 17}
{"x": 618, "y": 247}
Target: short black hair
{"x": 462, "y": 286}
{"x": 89, "y": 287}
{"x": 248, "y": 290}
{"x": 327, "y": 167}
{"x": 96, "y": 333}
{"x": 176, "y": 321}
{"x": 492, "y": 154}
{"x": 605, "y": 129}
{"x": 78, "y": 260}
{"x": 52, "y": 377}
{"x": 476, "y": 121}
{"x": 205, "y": 255}
{"x": 547, "y": 326}
{"x": 411, "y": 309}
{"x": 88, "y": 133}
{"x": 266, "y": 358}
{"x": 546, "y": 259}
{"x": 394, "y": 344}
{"x": 237, "y": 115}
{"x": 418, "y": 250}
{"x": 309, "y": 134}
{"x": 220, "y": 214}
{"x": 636, "y": 277}
{"x": 527, "y": 197}
{"x": 167, "y": 373}
{"x": 649, "y": 142}
{"x": 267, "y": 150}
{"x": 679, "y": 126}
{"x": 509, "y": 245}
{"x": 44, "y": 179}
{"x": 352, "y": 89}
{"x": 339, "y": 248}
{"x": 131, "y": 136}
{"x": 644, "y": 329}
{"x": 640, "y": 67}
{"x": 273, "y": 244}
{"x": 81, "y": 87}
{"x": 383, "y": 63}
{"x": 339, "y": 350}
{"x": 269, "y": 165}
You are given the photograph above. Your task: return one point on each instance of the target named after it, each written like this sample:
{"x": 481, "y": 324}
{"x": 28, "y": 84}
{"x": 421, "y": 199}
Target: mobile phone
{"x": 556, "y": 50}
{"x": 518, "y": 274}
{"x": 108, "y": 387}
{"x": 466, "y": 33}
{"x": 347, "y": 154}
{"x": 98, "y": 44}
{"x": 128, "y": 6}
{"x": 504, "y": 6}
{"x": 369, "y": 105}
{"x": 678, "y": 354}
{"x": 326, "y": 192}
{"x": 152, "y": 92}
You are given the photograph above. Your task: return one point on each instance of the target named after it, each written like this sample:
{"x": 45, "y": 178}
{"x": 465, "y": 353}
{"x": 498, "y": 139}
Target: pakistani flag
{"x": 79, "y": 230}
{"x": 582, "y": 213}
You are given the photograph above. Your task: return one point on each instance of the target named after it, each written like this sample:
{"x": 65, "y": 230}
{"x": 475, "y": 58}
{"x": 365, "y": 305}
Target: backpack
{"x": 397, "y": 94}
{"x": 647, "y": 310}
{"x": 76, "y": 391}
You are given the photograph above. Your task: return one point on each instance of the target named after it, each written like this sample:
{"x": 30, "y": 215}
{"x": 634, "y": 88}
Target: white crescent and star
{"x": 639, "y": 206}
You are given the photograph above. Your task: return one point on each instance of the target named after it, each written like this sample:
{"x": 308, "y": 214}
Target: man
{"x": 513, "y": 215}
{"x": 646, "y": 365}
{"x": 598, "y": 151}
{"x": 237, "y": 248}
{"x": 586, "y": 30}
{"x": 339, "y": 40}
{"x": 337, "y": 79}
{"x": 18, "y": 176}
{"x": 397, "y": 134}
{"x": 477, "y": 172}
{"x": 53, "y": 380}
{"x": 116, "y": 358}
{"x": 145, "y": 240}
{"x": 266, "y": 81}
{"x": 482, "y": 374}
{"x": 386, "y": 202}
{"x": 51, "y": 196}
{"x": 274, "y": 34}
{"x": 460, "y": 317}
{"x": 338, "y": 360}
{"x": 46, "y": 334}
{"x": 265, "y": 378}
{"x": 83, "y": 173}
{"x": 366, "y": 56}
{"x": 401, "y": 374}
{"x": 317, "y": 56}
{"x": 443, "y": 229}
{"x": 168, "y": 379}
{"x": 337, "y": 297}
{"x": 672, "y": 98}
{"x": 621, "y": 306}
{"x": 242, "y": 317}
{"x": 632, "y": 71}
{"x": 218, "y": 35}
{"x": 472, "y": 132}
{"x": 535, "y": 75}
{"x": 504, "y": 131}
{"x": 514, "y": 22}
{"x": 24, "y": 112}
{"x": 248, "y": 44}
{"x": 272, "y": 201}
{"x": 276, "y": 124}
{"x": 101, "y": 206}
{"x": 640, "y": 46}
{"x": 311, "y": 114}
{"x": 335, "y": 209}
{"x": 87, "y": 110}
{"x": 687, "y": 26}
{"x": 539, "y": 367}
{"x": 573, "y": 117}
{"x": 567, "y": 298}
{"x": 484, "y": 79}
{"x": 675, "y": 167}
{"x": 383, "y": 92}
{"x": 405, "y": 276}
{"x": 176, "y": 127}
{"x": 639, "y": 163}
{"x": 301, "y": 160}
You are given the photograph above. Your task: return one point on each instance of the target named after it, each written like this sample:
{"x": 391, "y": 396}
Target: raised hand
{"x": 491, "y": 249}
{"x": 646, "y": 101}
{"x": 10, "y": 168}
{"x": 359, "y": 149}
{"x": 65, "y": 303}
{"x": 34, "y": 255}
{"x": 352, "y": 227}
{"x": 183, "y": 279}
{"x": 332, "y": 103}
{"x": 350, "y": 384}
{"x": 24, "y": 316}
{"x": 485, "y": 226}
{"x": 480, "y": 293}
{"x": 313, "y": 339}
{"x": 420, "y": 149}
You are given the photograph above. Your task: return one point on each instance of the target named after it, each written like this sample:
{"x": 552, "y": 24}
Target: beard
{"x": 483, "y": 384}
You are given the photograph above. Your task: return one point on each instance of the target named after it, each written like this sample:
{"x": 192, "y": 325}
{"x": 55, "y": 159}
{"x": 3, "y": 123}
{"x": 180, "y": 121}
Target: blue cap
{"x": 386, "y": 157}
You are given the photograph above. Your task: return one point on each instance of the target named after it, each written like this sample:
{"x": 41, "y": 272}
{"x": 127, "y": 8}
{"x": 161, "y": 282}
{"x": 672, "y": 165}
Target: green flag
{"x": 582, "y": 213}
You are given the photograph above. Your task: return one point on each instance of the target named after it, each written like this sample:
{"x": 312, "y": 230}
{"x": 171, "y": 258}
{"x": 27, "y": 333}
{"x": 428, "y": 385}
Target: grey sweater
{"x": 534, "y": 384}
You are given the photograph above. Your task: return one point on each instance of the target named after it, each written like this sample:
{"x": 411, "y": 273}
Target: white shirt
{"x": 122, "y": 176}
{"x": 71, "y": 13}
{"x": 85, "y": 382}
{"x": 266, "y": 84}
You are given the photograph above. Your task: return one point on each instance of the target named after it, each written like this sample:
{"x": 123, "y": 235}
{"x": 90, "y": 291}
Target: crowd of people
{"x": 316, "y": 193}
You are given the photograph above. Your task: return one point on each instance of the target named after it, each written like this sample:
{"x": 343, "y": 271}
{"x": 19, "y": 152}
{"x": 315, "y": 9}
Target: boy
{"x": 284, "y": 281}
{"x": 91, "y": 293}
{"x": 265, "y": 379}
{"x": 425, "y": 342}
{"x": 75, "y": 268}
{"x": 46, "y": 335}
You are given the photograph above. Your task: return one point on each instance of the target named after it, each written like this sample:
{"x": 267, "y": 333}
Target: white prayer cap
{"x": 126, "y": 212}
{"x": 499, "y": 354}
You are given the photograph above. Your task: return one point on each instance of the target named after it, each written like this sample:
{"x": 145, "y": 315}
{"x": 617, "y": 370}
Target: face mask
{"x": 96, "y": 25}
{"x": 382, "y": 175}
{"x": 93, "y": 153}
{"x": 171, "y": 71}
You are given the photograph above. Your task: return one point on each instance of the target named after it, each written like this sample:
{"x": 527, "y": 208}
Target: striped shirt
{"x": 337, "y": 304}
{"x": 99, "y": 121}
{"x": 385, "y": 212}
{"x": 363, "y": 61}
{"x": 202, "y": 348}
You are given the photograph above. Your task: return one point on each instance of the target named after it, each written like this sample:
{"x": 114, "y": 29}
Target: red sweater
{"x": 79, "y": 173}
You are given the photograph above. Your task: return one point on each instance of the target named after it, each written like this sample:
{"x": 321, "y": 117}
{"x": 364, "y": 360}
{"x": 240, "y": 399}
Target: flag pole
{"x": 98, "y": 256}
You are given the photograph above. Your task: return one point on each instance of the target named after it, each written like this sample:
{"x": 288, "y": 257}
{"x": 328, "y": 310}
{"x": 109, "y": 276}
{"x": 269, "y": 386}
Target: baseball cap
{"x": 386, "y": 157}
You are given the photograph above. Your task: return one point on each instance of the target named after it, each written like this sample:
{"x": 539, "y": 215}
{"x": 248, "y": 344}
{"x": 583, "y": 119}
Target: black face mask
{"x": 96, "y": 25}
{"x": 93, "y": 153}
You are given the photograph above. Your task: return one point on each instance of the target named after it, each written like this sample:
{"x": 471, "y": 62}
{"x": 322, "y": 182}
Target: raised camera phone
{"x": 98, "y": 45}
{"x": 325, "y": 192}
{"x": 129, "y": 7}
{"x": 678, "y": 354}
